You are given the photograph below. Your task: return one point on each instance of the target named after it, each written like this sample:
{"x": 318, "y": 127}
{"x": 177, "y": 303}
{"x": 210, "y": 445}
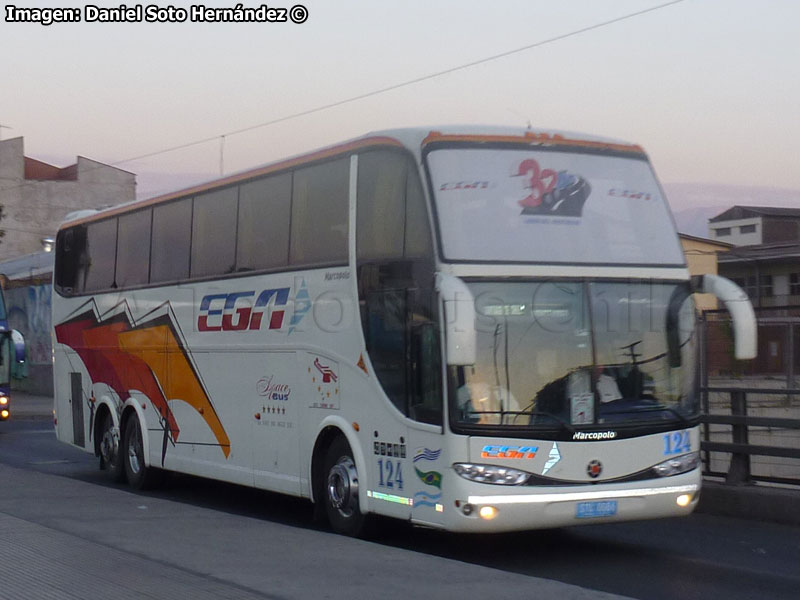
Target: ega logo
{"x": 509, "y": 451}
{"x": 237, "y": 312}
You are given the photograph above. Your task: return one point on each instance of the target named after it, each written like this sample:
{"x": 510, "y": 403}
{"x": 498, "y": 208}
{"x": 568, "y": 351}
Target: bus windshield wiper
{"x": 543, "y": 413}
{"x": 656, "y": 408}
{"x": 526, "y": 413}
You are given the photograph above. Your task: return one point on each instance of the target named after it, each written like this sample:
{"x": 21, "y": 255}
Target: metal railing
{"x": 741, "y": 451}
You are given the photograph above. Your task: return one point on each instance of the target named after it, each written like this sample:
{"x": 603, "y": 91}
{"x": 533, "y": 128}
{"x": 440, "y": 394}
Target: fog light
{"x": 684, "y": 500}
{"x": 4, "y": 414}
{"x": 467, "y": 509}
{"x": 488, "y": 512}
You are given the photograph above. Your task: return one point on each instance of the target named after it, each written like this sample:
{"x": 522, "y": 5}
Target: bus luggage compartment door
{"x": 76, "y": 399}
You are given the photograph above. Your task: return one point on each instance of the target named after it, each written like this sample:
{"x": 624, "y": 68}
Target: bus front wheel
{"x": 341, "y": 491}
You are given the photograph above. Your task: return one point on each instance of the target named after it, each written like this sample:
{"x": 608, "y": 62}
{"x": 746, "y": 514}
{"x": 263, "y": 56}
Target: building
{"x": 769, "y": 273}
{"x": 701, "y": 258}
{"x": 755, "y": 225}
{"x": 766, "y": 264}
{"x": 765, "y": 261}
{"x": 36, "y": 196}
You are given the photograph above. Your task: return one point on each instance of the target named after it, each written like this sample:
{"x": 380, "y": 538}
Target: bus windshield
{"x": 550, "y": 206}
{"x": 566, "y": 355}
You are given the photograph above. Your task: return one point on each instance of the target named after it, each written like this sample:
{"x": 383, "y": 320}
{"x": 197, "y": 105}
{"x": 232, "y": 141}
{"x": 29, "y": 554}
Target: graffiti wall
{"x": 29, "y": 312}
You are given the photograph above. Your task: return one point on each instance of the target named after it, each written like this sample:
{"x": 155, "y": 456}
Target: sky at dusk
{"x": 711, "y": 88}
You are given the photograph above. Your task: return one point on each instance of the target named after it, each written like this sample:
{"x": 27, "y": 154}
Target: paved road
{"x": 230, "y": 542}
{"x": 66, "y": 533}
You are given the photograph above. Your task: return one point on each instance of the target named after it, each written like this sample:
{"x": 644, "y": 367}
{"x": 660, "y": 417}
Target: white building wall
{"x": 33, "y": 209}
{"x": 736, "y": 237}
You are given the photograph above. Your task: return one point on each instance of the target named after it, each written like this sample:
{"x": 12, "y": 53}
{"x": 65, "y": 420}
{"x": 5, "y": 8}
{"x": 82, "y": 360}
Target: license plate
{"x": 592, "y": 510}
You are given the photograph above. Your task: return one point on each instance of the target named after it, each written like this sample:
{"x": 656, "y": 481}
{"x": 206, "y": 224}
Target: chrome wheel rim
{"x": 109, "y": 446}
{"x": 343, "y": 487}
{"x": 135, "y": 451}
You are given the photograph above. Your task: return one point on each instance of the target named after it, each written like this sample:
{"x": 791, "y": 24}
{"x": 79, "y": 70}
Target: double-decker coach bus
{"x": 470, "y": 329}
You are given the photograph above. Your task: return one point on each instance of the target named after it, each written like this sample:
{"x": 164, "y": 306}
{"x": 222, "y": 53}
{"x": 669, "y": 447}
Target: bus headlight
{"x": 491, "y": 474}
{"x": 3, "y": 400}
{"x": 677, "y": 465}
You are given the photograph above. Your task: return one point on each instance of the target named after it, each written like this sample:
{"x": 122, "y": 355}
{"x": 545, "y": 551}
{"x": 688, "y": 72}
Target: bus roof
{"x": 413, "y": 139}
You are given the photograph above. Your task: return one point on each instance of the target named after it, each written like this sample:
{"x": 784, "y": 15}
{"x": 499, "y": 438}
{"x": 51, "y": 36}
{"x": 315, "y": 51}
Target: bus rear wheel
{"x": 110, "y": 459}
{"x": 140, "y": 476}
{"x": 341, "y": 491}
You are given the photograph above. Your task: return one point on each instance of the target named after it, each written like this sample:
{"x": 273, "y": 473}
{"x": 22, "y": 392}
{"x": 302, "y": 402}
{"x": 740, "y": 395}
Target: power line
{"x": 382, "y": 90}
{"x": 406, "y": 83}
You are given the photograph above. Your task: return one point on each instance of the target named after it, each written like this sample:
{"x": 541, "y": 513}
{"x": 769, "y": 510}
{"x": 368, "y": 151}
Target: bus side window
{"x": 70, "y": 248}
{"x": 380, "y": 218}
{"x": 385, "y": 334}
{"x": 320, "y": 214}
{"x": 172, "y": 234}
{"x": 418, "y": 243}
{"x": 263, "y": 232}
{"x": 425, "y": 373}
{"x": 101, "y": 247}
{"x": 214, "y": 232}
{"x": 395, "y": 283}
{"x": 133, "y": 249}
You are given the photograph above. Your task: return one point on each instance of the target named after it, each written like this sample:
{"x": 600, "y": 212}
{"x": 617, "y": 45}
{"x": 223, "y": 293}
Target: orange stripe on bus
{"x": 159, "y": 349}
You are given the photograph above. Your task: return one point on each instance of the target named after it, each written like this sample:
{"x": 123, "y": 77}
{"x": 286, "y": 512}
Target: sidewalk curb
{"x": 759, "y": 503}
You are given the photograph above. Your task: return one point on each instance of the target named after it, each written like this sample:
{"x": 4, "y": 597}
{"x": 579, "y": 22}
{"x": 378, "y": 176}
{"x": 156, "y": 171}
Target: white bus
{"x": 471, "y": 329}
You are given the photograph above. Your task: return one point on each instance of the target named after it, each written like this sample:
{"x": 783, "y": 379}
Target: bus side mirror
{"x": 459, "y": 316}
{"x": 18, "y": 345}
{"x": 745, "y": 329}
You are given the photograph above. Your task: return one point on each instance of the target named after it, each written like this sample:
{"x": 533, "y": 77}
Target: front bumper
{"x": 522, "y": 508}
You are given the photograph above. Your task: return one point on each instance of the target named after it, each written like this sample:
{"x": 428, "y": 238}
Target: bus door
{"x": 427, "y": 452}
{"x": 402, "y": 342}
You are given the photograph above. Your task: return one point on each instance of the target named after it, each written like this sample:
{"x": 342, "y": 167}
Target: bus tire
{"x": 340, "y": 492}
{"x": 140, "y": 476}
{"x": 110, "y": 446}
